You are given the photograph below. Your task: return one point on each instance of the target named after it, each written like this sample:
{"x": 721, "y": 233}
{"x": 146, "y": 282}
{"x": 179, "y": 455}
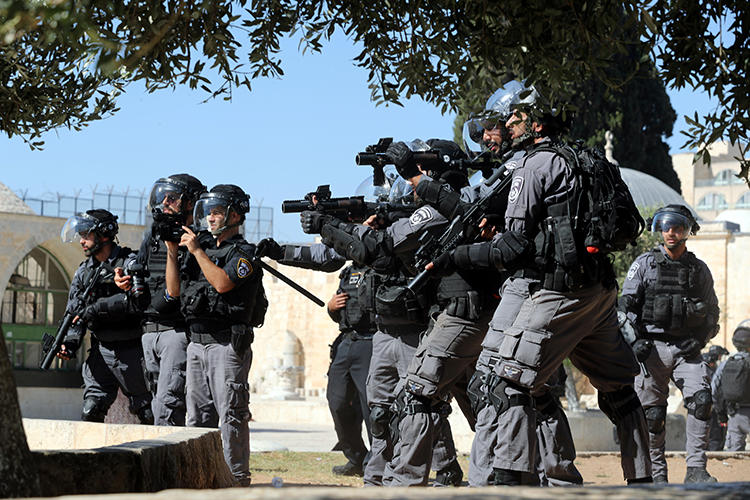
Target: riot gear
{"x": 182, "y": 188}
{"x": 674, "y": 216}
{"x": 741, "y": 336}
{"x": 222, "y": 200}
{"x": 100, "y": 222}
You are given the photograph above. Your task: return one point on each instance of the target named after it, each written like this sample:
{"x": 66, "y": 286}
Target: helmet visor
{"x": 664, "y": 221}
{"x": 165, "y": 196}
{"x": 402, "y": 193}
{"x": 473, "y": 134}
{"x": 76, "y": 227}
{"x": 211, "y": 213}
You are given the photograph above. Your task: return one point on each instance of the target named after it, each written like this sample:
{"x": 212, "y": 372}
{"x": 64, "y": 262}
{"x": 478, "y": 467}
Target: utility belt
{"x": 355, "y": 335}
{"x": 152, "y": 327}
{"x": 469, "y": 304}
{"x": 399, "y": 330}
{"x": 210, "y": 332}
{"x": 557, "y": 280}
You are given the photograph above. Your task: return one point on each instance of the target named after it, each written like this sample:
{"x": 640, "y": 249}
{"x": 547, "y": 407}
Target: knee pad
{"x": 93, "y": 410}
{"x": 656, "y": 418}
{"x": 617, "y": 404}
{"x": 500, "y": 400}
{"x": 380, "y": 417}
{"x": 699, "y": 405}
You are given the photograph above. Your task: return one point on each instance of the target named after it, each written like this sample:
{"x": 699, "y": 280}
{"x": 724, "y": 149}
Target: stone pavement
{"x": 275, "y": 436}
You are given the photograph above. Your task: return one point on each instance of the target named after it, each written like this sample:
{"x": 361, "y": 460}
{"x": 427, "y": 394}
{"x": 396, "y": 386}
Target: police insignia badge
{"x": 633, "y": 270}
{"x": 422, "y": 215}
{"x": 354, "y": 278}
{"x": 515, "y": 189}
{"x": 244, "y": 268}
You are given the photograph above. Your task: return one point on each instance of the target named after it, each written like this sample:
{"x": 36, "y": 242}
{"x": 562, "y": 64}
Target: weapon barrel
{"x": 62, "y": 330}
{"x": 294, "y": 206}
{"x": 371, "y": 159}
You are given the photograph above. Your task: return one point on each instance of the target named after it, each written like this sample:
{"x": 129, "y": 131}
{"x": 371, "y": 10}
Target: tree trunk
{"x": 18, "y": 473}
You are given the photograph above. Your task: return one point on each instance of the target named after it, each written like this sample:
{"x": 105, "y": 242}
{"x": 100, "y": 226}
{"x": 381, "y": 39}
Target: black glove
{"x": 690, "y": 348}
{"x": 69, "y": 347}
{"x": 443, "y": 265}
{"x": 89, "y": 314}
{"x": 642, "y": 349}
{"x": 403, "y": 158}
{"x": 268, "y": 247}
{"x": 312, "y": 222}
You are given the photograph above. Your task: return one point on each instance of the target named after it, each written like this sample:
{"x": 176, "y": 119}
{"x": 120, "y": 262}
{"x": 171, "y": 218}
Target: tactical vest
{"x": 397, "y": 310}
{"x": 127, "y": 329}
{"x": 358, "y": 314}
{"x": 210, "y": 312}
{"x": 156, "y": 263}
{"x": 735, "y": 379}
{"x": 670, "y": 302}
{"x": 466, "y": 294}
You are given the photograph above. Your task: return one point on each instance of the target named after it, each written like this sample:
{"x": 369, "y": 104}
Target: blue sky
{"x": 277, "y": 142}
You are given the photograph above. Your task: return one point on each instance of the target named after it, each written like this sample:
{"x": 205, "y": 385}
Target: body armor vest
{"x": 108, "y": 331}
{"x": 208, "y": 311}
{"x": 466, "y": 294}
{"x": 670, "y": 302}
{"x": 156, "y": 263}
{"x": 358, "y": 315}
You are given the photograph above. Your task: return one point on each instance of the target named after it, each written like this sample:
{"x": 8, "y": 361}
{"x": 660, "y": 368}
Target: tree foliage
{"x": 431, "y": 49}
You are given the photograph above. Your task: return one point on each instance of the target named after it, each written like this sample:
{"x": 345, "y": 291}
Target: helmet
{"x": 741, "y": 336}
{"x": 449, "y": 167}
{"x": 714, "y": 353}
{"x": 98, "y": 221}
{"x": 182, "y": 187}
{"x": 672, "y": 216}
{"x": 224, "y": 198}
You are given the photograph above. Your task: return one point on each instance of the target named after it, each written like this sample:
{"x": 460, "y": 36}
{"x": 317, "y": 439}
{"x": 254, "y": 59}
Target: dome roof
{"x": 738, "y": 216}
{"x": 650, "y": 192}
{"x": 10, "y": 202}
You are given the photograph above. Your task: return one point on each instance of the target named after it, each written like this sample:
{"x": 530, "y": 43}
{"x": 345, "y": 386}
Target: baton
{"x": 292, "y": 284}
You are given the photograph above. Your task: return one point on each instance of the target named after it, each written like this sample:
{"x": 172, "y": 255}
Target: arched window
{"x": 727, "y": 176}
{"x": 712, "y": 201}
{"x": 33, "y": 303}
{"x": 744, "y": 201}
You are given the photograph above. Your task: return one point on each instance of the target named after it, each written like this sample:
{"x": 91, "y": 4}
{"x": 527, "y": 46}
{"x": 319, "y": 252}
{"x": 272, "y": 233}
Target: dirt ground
{"x": 314, "y": 469}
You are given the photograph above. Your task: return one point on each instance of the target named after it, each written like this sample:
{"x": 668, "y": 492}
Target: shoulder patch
{"x": 354, "y": 278}
{"x": 422, "y": 215}
{"x": 515, "y": 189}
{"x": 633, "y": 269}
{"x": 244, "y": 268}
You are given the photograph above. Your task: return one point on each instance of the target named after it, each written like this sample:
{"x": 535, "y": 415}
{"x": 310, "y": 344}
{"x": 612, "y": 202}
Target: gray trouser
{"x": 549, "y": 327}
{"x": 390, "y": 360}
{"x": 165, "y": 358}
{"x": 347, "y": 393}
{"x": 556, "y": 465}
{"x": 218, "y": 395}
{"x": 113, "y": 365}
{"x": 738, "y": 427}
{"x": 690, "y": 376}
{"x": 443, "y": 358}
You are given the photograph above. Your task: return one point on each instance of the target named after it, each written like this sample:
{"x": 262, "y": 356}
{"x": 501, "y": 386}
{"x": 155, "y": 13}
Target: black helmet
{"x": 183, "y": 187}
{"x": 714, "y": 353}
{"x": 225, "y": 197}
{"x": 98, "y": 221}
{"x": 741, "y": 336}
{"x": 671, "y": 216}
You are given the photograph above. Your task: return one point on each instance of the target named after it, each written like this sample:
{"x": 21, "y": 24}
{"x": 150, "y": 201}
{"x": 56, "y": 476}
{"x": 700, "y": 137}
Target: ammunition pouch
{"x": 397, "y": 305}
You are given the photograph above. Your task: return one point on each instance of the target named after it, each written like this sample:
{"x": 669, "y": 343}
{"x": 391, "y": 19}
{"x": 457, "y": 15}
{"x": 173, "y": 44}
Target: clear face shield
{"x": 76, "y": 227}
{"x": 165, "y": 197}
{"x": 473, "y": 133}
{"x": 664, "y": 221}
{"x": 374, "y": 193}
{"x": 212, "y": 214}
{"x": 402, "y": 193}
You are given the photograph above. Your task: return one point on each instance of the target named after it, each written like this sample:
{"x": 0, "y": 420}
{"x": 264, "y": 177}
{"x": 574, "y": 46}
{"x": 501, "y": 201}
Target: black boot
{"x": 507, "y": 477}
{"x": 348, "y": 469}
{"x": 450, "y": 475}
{"x": 698, "y": 475}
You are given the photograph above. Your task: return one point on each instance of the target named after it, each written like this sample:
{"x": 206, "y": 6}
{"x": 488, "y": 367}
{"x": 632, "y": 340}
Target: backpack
{"x": 735, "y": 380}
{"x": 606, "y": 215}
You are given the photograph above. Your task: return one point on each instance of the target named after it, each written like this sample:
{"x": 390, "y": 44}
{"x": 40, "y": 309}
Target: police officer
{"x": 389, "y": 252}
{"x": 110, "y": 314}
{"x": 669, "y": 296}
{"x": 717, "y": 428}
{"x": 220, "y": 292}
{"x": 549, "y": 312}
{"x": 171, "y": 202}
{"x": 351, "y": 350}
{"x": 731, "y": 386}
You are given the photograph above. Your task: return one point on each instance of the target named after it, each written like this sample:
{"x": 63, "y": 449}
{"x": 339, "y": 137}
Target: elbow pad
{"x": 114, "y": 308}
{"x": 510, "y": 250}
{"x": 441, "y": 197}
{"x": 472, "y": 257}
{"x": 344, "y": 243}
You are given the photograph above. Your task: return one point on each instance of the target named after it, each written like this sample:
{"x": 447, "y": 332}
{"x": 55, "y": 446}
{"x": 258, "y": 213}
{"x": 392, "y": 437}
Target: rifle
{"x": 374, "y": 156}
{"x": 352, "y": 208}
{"x": 51, "y": 345}
{"x": 464, "y": 228}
